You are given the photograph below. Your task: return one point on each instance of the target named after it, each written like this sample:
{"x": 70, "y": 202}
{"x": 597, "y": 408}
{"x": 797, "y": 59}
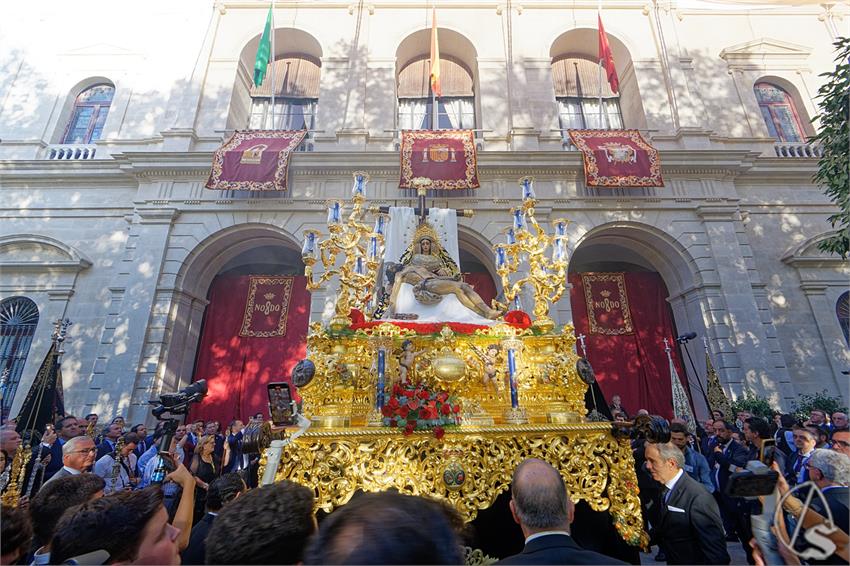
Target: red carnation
{"x": 403, "y": 412}
{"x": 456, "y": 408}
{"x": 442, "y": 396}
{"x": 386, "y": 411}
{"x": 445, "y": 409}
{"x": 408, "y": 430}
{"x": 424, "y": 394}
{"x": 439, "y": 432}
{"x": 412, "y": 405}
{"x": 393, "y": 404}
{"x": 356, "y": 316}
{"x": 518, "y": 318}
{"x": 396, "y": 389}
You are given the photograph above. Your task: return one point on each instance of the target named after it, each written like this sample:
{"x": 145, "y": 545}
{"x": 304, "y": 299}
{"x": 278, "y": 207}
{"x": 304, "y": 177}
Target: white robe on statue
{"x": 403, "y": 224}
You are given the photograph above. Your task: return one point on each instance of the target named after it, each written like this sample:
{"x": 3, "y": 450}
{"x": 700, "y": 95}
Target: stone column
{"x": 751, "y": 330}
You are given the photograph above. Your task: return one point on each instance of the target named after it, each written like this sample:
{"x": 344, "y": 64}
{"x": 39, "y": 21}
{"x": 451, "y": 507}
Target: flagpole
{"x": 272, "y": 65}
{"x": 599, "y": 55}
{"x": 434, "y": 121}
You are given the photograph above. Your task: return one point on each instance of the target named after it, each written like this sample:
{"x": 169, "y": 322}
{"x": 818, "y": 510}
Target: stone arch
{"x": 68, "y": 105}
{"x": 476, "y": 247}
{"x": 659, "y": 249}
{"x": 583, "y": 42}
{"x": 191, "y": 285}
{"x": 287, "y": 42}
{"x": 36, "y": 249}
{"x": 800, "y": 105}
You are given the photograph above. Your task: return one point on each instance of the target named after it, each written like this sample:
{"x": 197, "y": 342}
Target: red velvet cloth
{"x": 266, "y": 170}
{"x": 483, "y": 285}
{"x": 237, "y": 368}
{"x": 446, "y": 157}
{"x": 633, "y": 366}
{"x": 617, "y": 158}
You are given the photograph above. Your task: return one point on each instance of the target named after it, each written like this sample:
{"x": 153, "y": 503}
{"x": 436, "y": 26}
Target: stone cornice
{"x": 143, "y": 166}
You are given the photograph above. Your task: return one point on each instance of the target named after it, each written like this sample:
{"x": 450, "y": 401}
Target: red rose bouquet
{"x": 414, "y": 407}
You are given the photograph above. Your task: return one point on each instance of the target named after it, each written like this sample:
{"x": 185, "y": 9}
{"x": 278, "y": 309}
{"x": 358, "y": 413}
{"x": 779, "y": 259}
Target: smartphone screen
{"x": 280, "y": 403}
{"x": 767, "y": 451}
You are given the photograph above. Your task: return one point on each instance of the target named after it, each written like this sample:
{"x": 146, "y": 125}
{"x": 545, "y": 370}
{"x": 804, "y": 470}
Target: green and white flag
{"x": 261, "y": 63}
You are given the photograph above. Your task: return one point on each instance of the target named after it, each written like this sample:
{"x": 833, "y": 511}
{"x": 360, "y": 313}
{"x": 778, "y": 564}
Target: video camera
{"x": 173, "y": 404}
{"x": 178, "y": 403}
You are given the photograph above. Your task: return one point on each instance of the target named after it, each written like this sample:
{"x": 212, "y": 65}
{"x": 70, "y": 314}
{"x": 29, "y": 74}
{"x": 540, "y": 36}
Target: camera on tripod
{"x": 173, "y": 404}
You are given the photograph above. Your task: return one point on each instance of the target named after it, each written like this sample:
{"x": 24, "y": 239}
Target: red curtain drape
{"x": 238, "y": 368}
{"x": 633, "y": 366}
{"x": 483, "y": 284}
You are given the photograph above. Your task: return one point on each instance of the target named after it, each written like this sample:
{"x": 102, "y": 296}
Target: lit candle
{"x": 359, "y": 185}
{"x": 373, "y": 248}
{"x": 501, "y": 257}
{"x": 527, "y": 188}
{"x": 379, "y": 394}
{"x": 512, "y": 378}
{"x": 334, "y": 212}
{"x": 519, "y": 219}
{"x": 560, "y": 226}
{"x": 379, "y": 224}
{"x": 309, "y": 247}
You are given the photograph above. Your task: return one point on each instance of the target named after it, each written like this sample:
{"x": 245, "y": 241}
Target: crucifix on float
{"x": 422, "y": 184}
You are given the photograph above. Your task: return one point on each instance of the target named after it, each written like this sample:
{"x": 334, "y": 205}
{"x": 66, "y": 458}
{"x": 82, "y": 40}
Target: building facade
{"x": 109, "y": 119}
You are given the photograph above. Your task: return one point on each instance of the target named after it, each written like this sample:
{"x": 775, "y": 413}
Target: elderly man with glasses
{"x": 78, "y": 456}
{"x": 830, "y": 471}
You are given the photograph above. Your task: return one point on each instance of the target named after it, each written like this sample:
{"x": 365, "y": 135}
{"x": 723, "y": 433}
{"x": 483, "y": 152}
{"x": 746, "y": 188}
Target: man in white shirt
{"x": 77, "y": 457}
{"x": 119, "y": 473}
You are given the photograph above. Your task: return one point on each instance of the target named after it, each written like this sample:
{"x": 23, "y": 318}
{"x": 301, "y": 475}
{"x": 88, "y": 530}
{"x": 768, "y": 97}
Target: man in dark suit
{"x": 541, "y": 506}
{"x": 221, "y": 491}
{"x": 724, "y": 459}
{"x": 77, "y": 457}
{"x": 830, "y": 471}
{"x": 796, "y": 466}
{"x": 65, "y": 429}
{"x": 690, "y": 530}
{"x": 110, "y": 437}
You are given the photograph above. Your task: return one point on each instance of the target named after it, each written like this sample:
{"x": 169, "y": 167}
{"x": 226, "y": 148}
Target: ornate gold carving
{"x": 479, "y": 462}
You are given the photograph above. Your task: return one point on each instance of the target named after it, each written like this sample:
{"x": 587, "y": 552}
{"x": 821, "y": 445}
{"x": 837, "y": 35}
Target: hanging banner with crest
{"x": 607, "y": 303}
{"x": 254, "y": 160}
{"x": 267, "y": 306}
{"x": 617, "y": 158}
{"x": 446, "y": 157}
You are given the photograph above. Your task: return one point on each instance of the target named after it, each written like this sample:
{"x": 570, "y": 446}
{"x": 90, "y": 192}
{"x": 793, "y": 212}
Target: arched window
{"x": 296, "y": 95}
{"x": 18, "y": 319}
{"x": 779, "y": 113}
{"x": 577, "y": 90}
{"x": 842, "y": 311}
{"x": 456, "y": 106}
{"x": 90, "y": 110}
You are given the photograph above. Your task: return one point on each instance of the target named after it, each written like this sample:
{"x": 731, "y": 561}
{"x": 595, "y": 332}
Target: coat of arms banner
{"x": 267, "y": 307}
{"x": 607, "y": 303}
{"x": 254, "y": 160}
{"x": 617, "y": 158}
{"x": 446, "y": 157}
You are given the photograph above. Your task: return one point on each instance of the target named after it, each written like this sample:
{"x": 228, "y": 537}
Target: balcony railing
{"x": 795, "y": 150}
{"x": 70, "y": 152}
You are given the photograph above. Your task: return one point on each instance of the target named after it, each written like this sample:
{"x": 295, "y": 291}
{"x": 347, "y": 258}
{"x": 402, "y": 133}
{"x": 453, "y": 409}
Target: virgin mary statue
{"x": 426, "y": 286}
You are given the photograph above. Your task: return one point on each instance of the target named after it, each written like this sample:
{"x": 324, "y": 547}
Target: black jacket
{"x": 719, "y": 463}
{"x": 691, "y": 531}
{"x": 557, "y": 549}
{"x": 196, "y": 552}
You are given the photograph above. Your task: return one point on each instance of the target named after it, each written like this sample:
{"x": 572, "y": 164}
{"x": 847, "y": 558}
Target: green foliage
{"x": 755, "y": 404}
{"x": 823, "y": 400}
{"x": 834, "y": 138}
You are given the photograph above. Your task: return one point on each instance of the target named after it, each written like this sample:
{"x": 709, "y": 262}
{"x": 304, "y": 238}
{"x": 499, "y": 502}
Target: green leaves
{"x": 834, "y": 139}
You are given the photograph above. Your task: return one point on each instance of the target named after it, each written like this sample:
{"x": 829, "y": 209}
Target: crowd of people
{"x": 95, "y": 497}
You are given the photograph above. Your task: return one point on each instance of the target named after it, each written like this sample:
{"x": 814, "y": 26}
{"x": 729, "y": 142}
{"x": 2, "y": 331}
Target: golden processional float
{"x": 446, "y": 409}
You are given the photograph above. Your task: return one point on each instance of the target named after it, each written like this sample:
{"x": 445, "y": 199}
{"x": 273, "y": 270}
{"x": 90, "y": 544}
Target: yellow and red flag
{"x": 606, "y": 58}
{"x": 435, "y": 56}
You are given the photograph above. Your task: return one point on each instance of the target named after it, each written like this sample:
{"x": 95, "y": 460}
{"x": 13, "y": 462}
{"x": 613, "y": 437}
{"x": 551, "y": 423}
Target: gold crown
{"x": 426, "y": 231}
{"x": 269, "y": 296}
{"x": 605, "y": 293}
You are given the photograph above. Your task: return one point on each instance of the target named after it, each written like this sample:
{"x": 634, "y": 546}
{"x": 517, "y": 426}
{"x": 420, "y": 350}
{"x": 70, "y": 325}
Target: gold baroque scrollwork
{"x": 596, "y": 467}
